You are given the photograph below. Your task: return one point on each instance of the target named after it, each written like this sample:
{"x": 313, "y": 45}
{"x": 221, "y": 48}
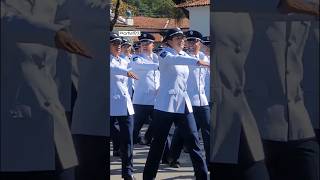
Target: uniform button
{"x": 237, "y": 92}
{"x": 287, "y": 72}
{"x": 298, "y": 98}
{"x": 288, "y": 100}
{"x": 46, "y": 103}
{"x": 237, "y": 49}
{"x": 40, "y": 66}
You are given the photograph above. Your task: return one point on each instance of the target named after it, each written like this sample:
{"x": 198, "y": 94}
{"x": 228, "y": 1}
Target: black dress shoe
{"x": 164, "y": 161}
{"x": 116, "y": 153}
{"x": 130, "y": 178}
{"x": 175, "y": 164}
{"x": 185, "y": 150}
{"x": 143, "y": 141}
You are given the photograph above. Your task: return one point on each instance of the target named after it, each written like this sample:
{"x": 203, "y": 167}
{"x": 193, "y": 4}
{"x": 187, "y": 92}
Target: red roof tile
{"x": 142, "y": 22}
{"x": 155, "y": 25}
{"x": 193, "y": 3}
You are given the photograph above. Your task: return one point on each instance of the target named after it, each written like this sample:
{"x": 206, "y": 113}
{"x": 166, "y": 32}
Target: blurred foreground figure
{"x": 268, "y": 54}
{"x": 36, "y": 142}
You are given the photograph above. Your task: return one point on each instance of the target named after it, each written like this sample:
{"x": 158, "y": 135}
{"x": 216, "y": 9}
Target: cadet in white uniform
{"x": 173, "y": 105}
{"x": 310, "y": 82}
{"x": 126, "y": 47}
{"x": 274, "y": 78}
{"x": 137, "y": 48}
{"x": 90, "y": 123}
{"x": 265, "y": 80}
{"x": 36, "y": 142}
{"x": 200, "y": 105}
{"x": 206, "y": 45}
{"x": 121, "y": 108}
{"x": 236, "y": 147}
{"x": 146, "y": 66}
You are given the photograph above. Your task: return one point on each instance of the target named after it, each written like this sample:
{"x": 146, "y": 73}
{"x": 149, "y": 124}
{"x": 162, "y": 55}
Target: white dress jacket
{"x": 173, "y": 96}
{"x": 120, "y": 100}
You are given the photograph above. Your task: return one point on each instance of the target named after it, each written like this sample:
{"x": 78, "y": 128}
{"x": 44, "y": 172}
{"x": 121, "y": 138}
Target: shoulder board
{"x": 135, "y": 58}
{"x": 164, "y": 54}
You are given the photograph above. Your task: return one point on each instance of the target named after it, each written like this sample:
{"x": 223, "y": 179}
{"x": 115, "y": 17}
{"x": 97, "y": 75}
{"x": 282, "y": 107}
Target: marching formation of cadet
{"x": 146, "y": 66}
{"x": 169, "y": 88}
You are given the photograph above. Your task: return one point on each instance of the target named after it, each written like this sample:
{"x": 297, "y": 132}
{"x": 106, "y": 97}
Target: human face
{"x": 126, "y": 48}
{"x": 194, "y": 45}
{"x": 207, "y": 50}
{"x": 115, "y": 48}
{"x": 177, "y": 42}
{"x": 147, "y": 46}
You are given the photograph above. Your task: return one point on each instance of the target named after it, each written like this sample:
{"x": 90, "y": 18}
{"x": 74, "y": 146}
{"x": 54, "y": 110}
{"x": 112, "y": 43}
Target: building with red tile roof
{"x": 199, "y": 15}
{"x": 155, "y": 26}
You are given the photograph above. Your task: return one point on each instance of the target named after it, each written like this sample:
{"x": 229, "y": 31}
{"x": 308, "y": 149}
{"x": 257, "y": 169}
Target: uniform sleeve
{"x": 170, "y": 59}
{"x": 206, "y": 59}
{"x": 116, "y": 70}
{"x": 137, "y": 65}
{"x": 26, "y": 28}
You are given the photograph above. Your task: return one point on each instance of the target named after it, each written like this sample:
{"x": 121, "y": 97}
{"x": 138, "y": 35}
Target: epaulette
{"x": 135, "y": 58}
{"x": 164, "y": 54}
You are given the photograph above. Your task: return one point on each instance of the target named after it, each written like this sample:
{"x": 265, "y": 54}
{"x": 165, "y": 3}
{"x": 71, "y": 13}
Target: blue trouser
{"x": 202, "y": 117}
{"x": 115, "y": 133}
{"x": 245, "y": 169}
{"x": 292, "y": 160}
{"x": 126, "y": 143}
{"x": 93, "y": 157}
{"x": 163, "y": 121}
{"x": 141, "y": 116}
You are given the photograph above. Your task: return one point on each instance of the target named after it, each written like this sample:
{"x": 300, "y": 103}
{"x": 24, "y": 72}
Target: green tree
{"x": 157, "y": 8}
{"x": 149, "y": 8}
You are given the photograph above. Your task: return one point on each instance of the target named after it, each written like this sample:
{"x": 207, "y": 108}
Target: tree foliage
{"x": 151, "y": 8}
{"x": 148, "y": 8}
{"x": 124, "y": 6}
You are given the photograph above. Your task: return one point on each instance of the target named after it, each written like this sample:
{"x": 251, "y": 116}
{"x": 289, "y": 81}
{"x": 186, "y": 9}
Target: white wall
{"x": 200, "y": 19}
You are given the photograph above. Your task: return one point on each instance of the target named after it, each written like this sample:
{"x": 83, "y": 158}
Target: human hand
{"x": 298, "y": 6}
{"x": 65, "y": 41}
{"x": 203, "y": 63}
{"x": 132, "y": 75}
